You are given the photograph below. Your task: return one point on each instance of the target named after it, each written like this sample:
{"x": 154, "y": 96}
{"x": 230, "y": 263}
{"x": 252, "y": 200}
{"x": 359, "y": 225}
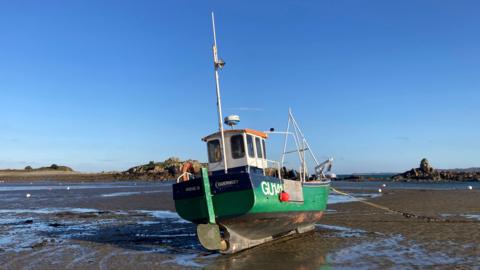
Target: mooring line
{"x": 404, "y": 214}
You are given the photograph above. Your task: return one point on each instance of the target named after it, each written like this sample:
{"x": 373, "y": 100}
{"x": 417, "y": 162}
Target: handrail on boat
{"x": 183, "y": 174}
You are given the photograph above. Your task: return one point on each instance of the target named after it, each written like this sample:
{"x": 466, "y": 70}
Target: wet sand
{"x": 411, "y": 242}
{"x": 133, "y": 226}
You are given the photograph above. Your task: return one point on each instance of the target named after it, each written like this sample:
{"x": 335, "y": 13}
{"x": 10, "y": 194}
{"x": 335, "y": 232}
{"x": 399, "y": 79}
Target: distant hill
{"x": 168, "y": 169}
{"x": 53, "y": 167}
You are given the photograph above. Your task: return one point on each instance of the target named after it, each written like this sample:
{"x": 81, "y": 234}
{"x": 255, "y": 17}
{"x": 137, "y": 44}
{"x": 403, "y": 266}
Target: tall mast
{"x": 218, "y": 64}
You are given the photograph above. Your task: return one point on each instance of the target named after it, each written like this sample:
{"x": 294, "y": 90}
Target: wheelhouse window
{"x": 264, "y": 149}
{"x": 259, "y": 147}
{"x": 214, "y": 151}
{"x": 238, "y": 148}
{"x": 251, "y": 149}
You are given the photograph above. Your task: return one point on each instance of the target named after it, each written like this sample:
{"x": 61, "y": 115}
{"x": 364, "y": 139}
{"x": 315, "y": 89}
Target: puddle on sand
{"x": 393, "y": 251}
{"x": 472, "y": 216}
{"x": 128, "y": 193}
{"x": 164, "y": 214}
{"x": 63, "y": 233}
{"x": 337, "y": 198}
{"x": 24, "y": 228}
{"x": 185, "y": 260}
{"x": 467, "y": 216}
{"x": 339, "y": 231}
{"x": 119, "y": 194}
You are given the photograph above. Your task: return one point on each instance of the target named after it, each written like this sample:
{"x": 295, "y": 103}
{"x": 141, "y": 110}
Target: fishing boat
{"x": 244, "y": 199}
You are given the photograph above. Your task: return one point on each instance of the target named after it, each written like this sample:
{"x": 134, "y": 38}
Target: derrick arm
{"x": 320, "y": 168}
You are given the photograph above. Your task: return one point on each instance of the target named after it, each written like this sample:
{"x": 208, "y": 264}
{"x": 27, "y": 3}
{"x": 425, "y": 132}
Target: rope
{"x": 404, "y": 214}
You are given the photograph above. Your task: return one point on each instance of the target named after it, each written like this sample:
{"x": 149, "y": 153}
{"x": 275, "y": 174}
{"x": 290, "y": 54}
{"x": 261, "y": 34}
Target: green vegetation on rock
{"x": 53, "y": 167}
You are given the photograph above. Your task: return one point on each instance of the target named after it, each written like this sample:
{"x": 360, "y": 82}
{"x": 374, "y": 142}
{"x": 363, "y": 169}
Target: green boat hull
{"x": 248, "y": 208}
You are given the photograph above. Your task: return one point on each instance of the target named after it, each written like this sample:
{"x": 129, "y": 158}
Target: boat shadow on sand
{"x": 179, "y": 239}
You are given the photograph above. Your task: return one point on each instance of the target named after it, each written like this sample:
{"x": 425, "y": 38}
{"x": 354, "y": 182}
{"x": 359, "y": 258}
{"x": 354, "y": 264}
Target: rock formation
{"x": 425, "y": 166}
{"x": 168, "y": 169}
{"x": 426, "y": 173}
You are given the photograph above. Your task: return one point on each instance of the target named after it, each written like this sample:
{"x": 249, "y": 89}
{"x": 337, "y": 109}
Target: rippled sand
{"x": 133, "y": 226}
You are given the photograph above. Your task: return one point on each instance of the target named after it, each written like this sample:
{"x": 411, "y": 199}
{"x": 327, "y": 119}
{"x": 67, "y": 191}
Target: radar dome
{"x": 232, "y": 120}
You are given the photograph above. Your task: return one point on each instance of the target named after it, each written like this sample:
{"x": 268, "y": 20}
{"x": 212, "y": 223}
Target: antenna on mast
{"x": 219, "y": 64}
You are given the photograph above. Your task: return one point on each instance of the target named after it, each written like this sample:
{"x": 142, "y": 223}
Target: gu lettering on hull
{"x": 269, "y": 188}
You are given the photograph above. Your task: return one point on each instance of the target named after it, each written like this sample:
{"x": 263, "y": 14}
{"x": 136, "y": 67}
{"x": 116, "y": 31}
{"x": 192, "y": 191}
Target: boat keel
{"x": 210, "y": 237}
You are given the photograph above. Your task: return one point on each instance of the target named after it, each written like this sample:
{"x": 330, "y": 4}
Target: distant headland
{"x": 424, "y": 173}
{"x": 165, "y": 170}
{"x": 171, "y": 168}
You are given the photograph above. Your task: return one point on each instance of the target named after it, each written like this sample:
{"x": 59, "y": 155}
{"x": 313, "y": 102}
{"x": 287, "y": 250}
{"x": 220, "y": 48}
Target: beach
{"x": 133, "y": 225}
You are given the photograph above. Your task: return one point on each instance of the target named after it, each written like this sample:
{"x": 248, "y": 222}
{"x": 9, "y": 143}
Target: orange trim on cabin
{"x": 246, "y": 130}
{"x": 257, "y": 133}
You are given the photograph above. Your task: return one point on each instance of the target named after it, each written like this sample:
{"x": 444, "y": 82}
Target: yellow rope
{"x": 362, "y": 201}
{"x": 405, "y": 214}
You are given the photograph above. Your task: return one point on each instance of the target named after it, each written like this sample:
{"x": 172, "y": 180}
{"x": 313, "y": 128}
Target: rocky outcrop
{"x": 425, "y": 166}
{"x": 353, "y": 177}
{"x": 426, "y": 173}
{"x": 168, "y": 169}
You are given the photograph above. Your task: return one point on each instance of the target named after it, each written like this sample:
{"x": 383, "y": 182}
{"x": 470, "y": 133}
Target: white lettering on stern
{"x": 269, "y": 188}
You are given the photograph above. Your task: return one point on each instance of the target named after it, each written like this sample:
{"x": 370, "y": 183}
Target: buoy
{"x": 28, "y": 195}
{"x": 284, "y": 196}
{"x": 68, "y": 188}
{"x": 380, "y": 190}
{"x": 384, "y": 185}
{"x": 470, "y": 187}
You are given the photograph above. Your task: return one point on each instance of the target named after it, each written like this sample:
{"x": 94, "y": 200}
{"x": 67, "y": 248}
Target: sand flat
{"x": 135, "y": 226}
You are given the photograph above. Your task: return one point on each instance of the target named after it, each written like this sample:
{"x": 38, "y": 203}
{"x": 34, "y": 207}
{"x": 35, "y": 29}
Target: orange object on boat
{"x": 284, "y": 196}
{"x": 187, "y": 169}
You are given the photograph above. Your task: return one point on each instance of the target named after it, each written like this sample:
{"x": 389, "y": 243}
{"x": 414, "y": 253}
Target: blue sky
{"x": 105, "y": 85}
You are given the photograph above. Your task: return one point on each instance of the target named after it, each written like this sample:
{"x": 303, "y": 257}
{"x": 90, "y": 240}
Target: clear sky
{"x": 104, "y": 85}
